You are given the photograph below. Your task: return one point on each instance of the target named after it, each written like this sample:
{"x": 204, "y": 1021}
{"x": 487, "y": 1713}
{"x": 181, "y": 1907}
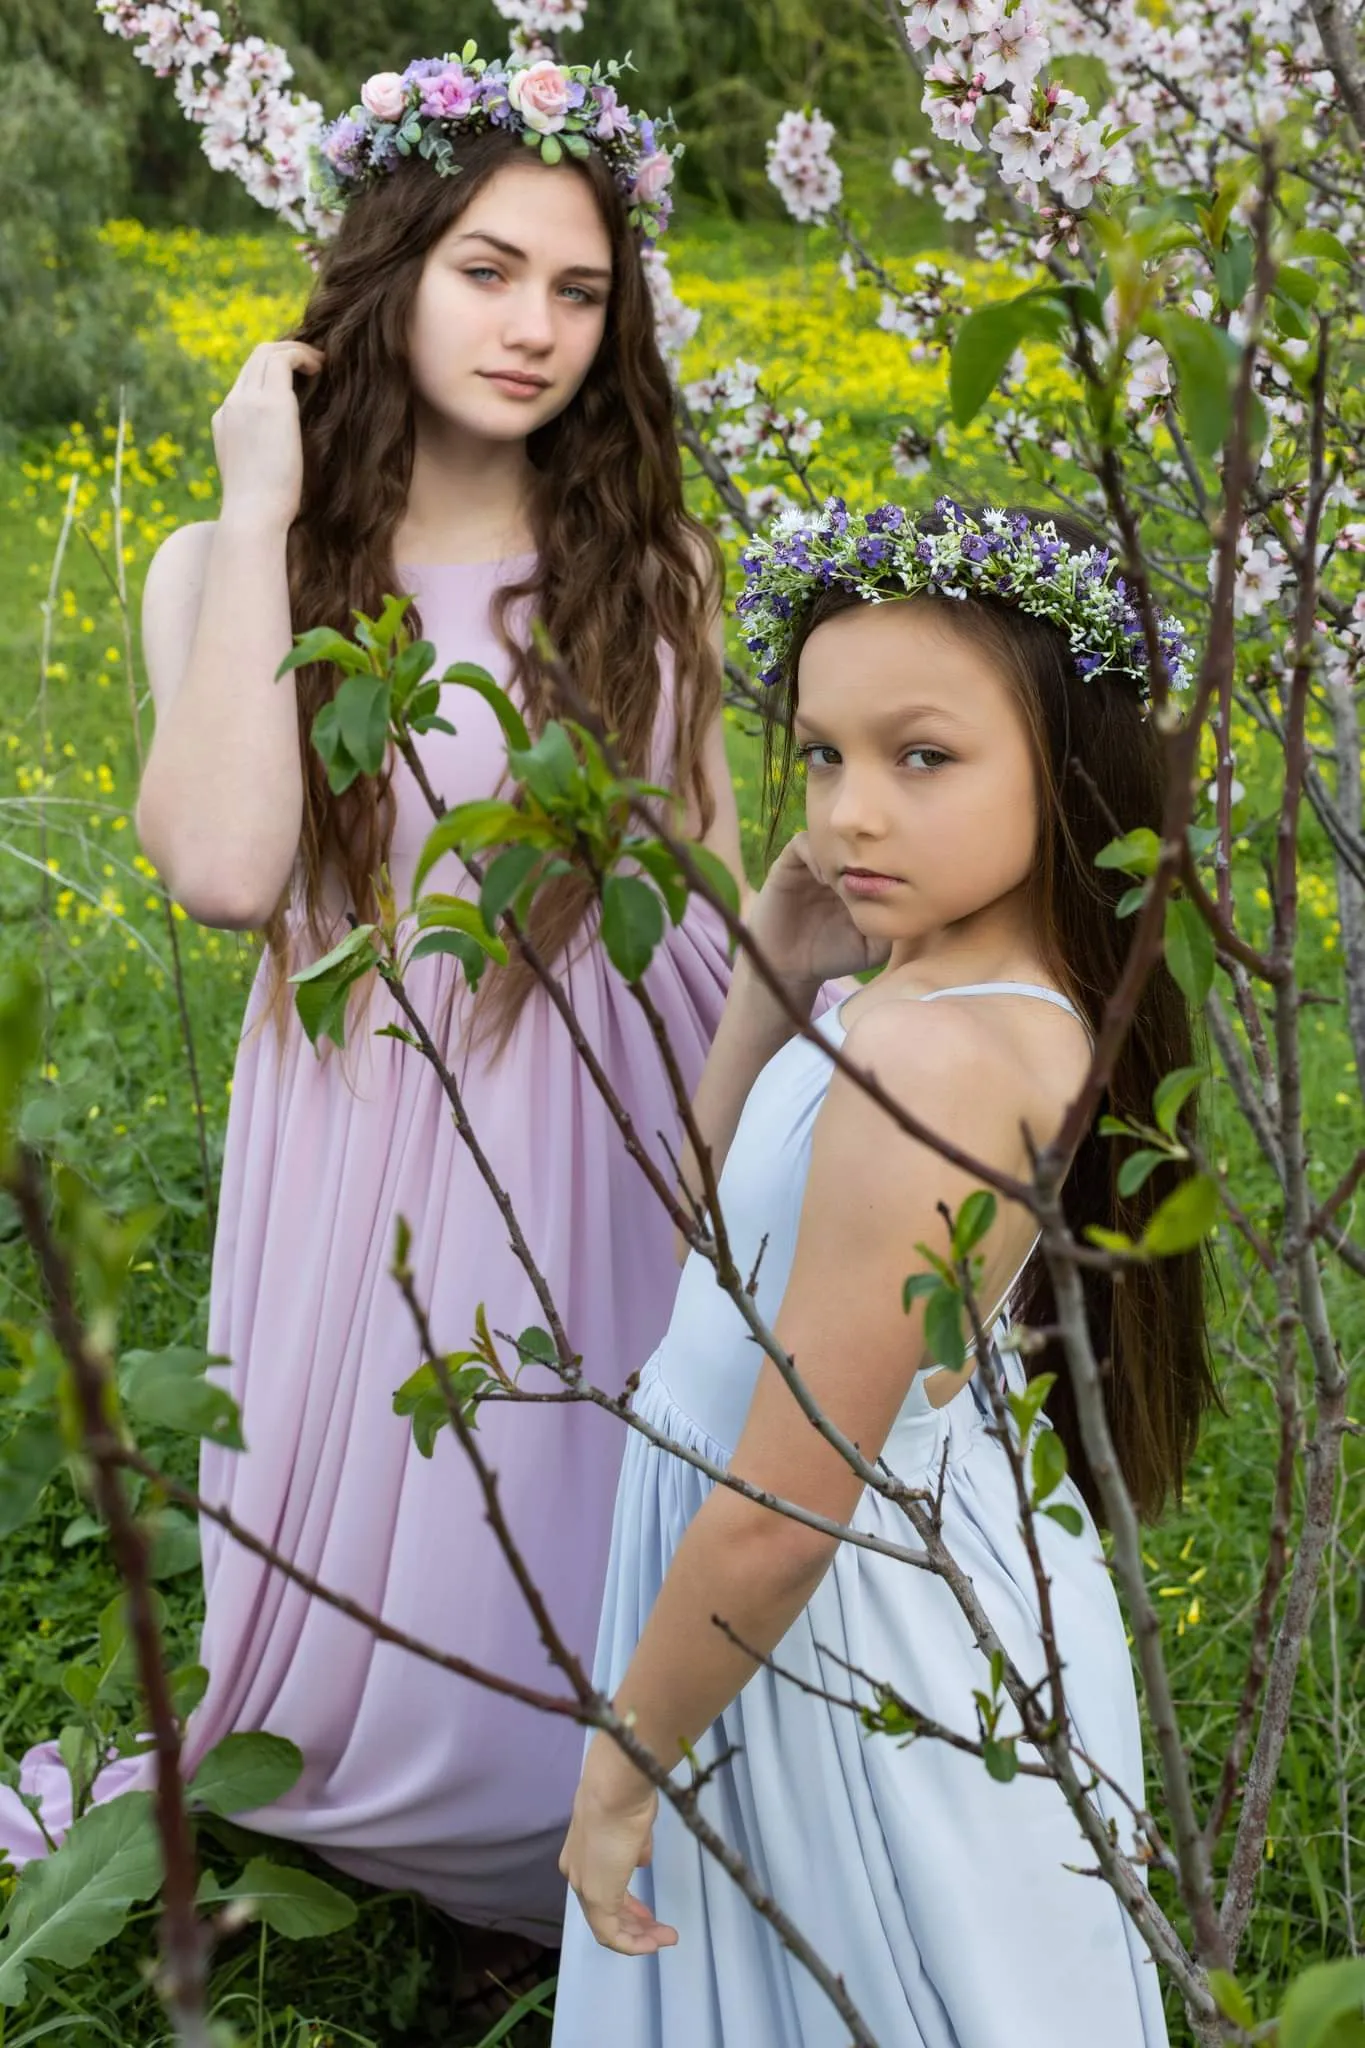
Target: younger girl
{"x": 966, "y": 701}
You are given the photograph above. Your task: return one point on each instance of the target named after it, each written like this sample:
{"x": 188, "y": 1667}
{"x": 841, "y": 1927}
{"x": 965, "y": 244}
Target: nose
{"x": 529, "y": 319}
{"x": 857, "y": 808}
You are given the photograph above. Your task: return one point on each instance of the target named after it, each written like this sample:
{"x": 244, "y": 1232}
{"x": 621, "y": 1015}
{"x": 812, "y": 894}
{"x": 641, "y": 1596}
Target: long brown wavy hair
{"x": 1100, "y": 771}
{"x": 621, "y": 566}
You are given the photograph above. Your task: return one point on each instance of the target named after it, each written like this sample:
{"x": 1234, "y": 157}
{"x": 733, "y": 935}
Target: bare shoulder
{"x": 970, "y": 1065}
{"x": 171, "y": 597}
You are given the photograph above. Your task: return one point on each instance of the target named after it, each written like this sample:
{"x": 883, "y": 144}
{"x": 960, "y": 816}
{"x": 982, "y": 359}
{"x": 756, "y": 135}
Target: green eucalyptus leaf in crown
{"x": 1009, "y": 556}
{"x": 558, "y": 109}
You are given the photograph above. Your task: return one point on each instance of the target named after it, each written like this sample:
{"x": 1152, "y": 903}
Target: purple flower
{"x": 949, "y": 509}
{"x": 886, "y": 519}
{"x": 449, "y": 95}
{"x": 975, "y": 546}
{"x": 343, "y": 144}
{"x": 612, "y": 118}
{"x": 1086, "y": 664}
{"x": 836, "y": 517}
{"x": 872, "y": 552}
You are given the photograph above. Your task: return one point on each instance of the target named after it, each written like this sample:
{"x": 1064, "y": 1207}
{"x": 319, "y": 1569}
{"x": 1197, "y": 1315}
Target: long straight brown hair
{"x": 622, "y": 568}
{"x": 1100, "y": 772}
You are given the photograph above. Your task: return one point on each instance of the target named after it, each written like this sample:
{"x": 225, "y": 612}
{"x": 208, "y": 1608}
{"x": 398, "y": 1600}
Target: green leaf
{"x": 943, "y": 1329}
{"x": 175, "y": 1545}
{"x": 322, "y": 990}
{"x": 457, "y": 914}
{"x": 1109, "y": 1240}
{"x": 323, "y": 643}
{"x": 662, "y": 868}
{"x": 503, "y": 879}
{"x": 67, "y": 1905}
{"x": 381, "y": 633}
{"x": 408, "y": 670}
{"x": 355, "y": 942}
{"x": 550, "y": 768}
{"x": 1204, "y": 360}
{"x": 1321, "y": 242}
{"x": 471, "y": 955}
{"x": 1137, "y": 853}
{"x": 1131, "y": 901}
{"x": 1171, "y": 1094}
{"x": 486, "y": 821}
{"x": 537, "y": 1344}
{"x": 470, "y": 676}
{"x": 714, "y": 871}
{"x": 362, "y": 712}
{"x": 973, "y": 1220}
{"x": 1299, "y": 286}
{"x": 1189, "y": 950}
{"x": 985, "y": 342}
{"x": 1000, "y": 1759}
{"x": 550, "y": 149}
{"x": 1184, "y": 1219}
{"x": 421, "y": 1398}
{"x": 21, "y": 1039}
{"x": 30, "y": 1456}
{"x": 632, "y": 924}
{"x": 245, "y": 1771}
{"x": 1027, "y": 1406}
{"x": 1048, "y": 1464}
{"x": 330, "y": 749}
{"x": 292, "y": 1903}
{"x": 1137, "y": 1169}
{"x": 1324, "y": 1994}
{"x": 1232, "y": 269}
{"x": 168, "y": 1390}
{"x": 916, "y": 1285}
{"x": 1070, "y": 1518}
{"x": 1230, "y": 1999}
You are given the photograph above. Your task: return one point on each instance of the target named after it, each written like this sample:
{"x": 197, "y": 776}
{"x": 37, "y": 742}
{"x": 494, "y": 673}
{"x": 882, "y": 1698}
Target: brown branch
{"x": 1341, "y": 1193}
{"x": 1343, "y": 56}
{"x": 597, "y": 1712}
{"x": 184, "y": 1939}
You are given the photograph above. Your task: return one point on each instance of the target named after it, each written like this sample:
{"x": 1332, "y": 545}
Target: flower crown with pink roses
{"x": 558, "y": 110}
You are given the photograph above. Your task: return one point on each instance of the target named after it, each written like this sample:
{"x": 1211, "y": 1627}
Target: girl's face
{"x": 921, "y": 791}
{"x": 512, "y": 303}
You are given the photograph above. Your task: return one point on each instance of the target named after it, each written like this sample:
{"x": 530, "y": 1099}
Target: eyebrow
{"x": 893, "y": 720}
{"x": 519, "y": 255}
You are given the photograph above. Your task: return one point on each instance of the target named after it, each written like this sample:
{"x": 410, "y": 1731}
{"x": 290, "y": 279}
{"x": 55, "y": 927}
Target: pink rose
{"x": 540, "y": 95}
{"x": 449, "y": 94}
{"x": 385, "y": 96}
{"x": 653, "y": 178}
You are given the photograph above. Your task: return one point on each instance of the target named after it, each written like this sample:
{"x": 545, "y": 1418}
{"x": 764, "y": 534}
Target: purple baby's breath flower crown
{"x": 557, "y": 109}
{"x": 888, "y": 553}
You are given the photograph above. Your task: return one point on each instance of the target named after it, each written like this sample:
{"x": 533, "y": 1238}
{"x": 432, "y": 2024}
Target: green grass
{"x": 117, "y": 1108}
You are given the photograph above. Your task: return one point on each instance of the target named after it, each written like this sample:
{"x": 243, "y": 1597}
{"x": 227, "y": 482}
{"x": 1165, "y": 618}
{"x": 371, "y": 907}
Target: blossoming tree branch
{"x": 1187, "y": 251}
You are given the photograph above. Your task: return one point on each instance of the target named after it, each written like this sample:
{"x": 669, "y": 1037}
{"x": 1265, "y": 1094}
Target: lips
{"x": 516, "y": 380}
{"x": 867, "y": 882}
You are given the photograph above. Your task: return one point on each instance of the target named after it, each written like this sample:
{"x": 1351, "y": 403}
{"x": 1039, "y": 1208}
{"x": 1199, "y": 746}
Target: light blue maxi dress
{"x": 954, "y": 1907}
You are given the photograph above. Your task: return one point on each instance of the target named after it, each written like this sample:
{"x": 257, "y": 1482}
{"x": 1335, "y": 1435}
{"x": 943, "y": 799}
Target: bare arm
{"x": 842, "y": 1319}
{"x": 221, "y": 802}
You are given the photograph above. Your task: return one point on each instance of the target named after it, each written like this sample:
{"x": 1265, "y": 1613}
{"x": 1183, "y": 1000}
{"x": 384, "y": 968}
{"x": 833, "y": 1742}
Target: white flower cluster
{"x": 801, "y": 167}
{"x": 536, "y": 18}
{"x": 750, "y": 428}
{"x": 675, "y": 321}
{"x": 236, "y": 92}
{"x": 928, "y": 313}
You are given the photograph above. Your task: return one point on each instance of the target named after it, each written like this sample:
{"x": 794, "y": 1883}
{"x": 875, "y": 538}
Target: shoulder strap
{"x": 1010, "y": 988}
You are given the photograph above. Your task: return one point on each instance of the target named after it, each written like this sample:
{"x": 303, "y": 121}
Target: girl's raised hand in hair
{"x": 256, "y": 434}
{"x": 804, "y": 927}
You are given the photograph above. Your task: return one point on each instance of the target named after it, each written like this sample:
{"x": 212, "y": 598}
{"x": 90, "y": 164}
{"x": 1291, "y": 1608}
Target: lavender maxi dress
{"x": 951, "y": 1905}
{"x": 414, "y": 1777}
